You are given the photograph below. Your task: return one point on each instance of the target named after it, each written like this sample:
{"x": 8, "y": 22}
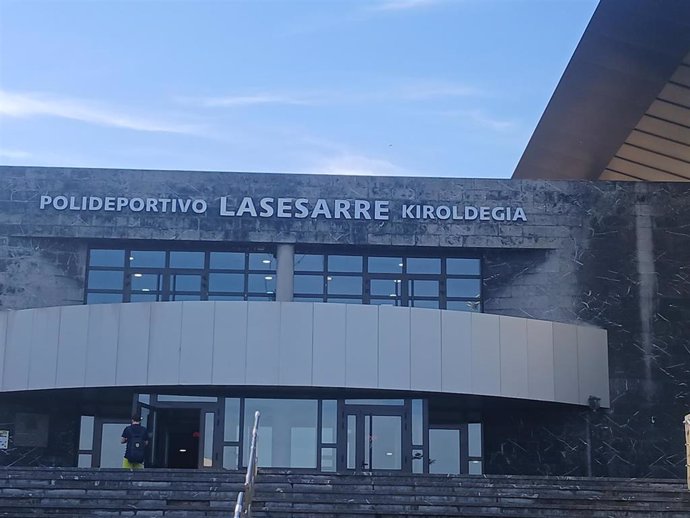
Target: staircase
{"x": 31, "y": 492}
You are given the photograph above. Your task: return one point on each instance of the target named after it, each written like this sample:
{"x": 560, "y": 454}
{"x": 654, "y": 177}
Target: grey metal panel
{"x": 101, "y": 353}
{"x": 394, "y": 347}
{"x": 263, "y": 337}
{"x": 330, "y": 328}
{"x": 486, "y": 356}
{"x": 196, "y": 337}
{"x": 566, "y": 370}
{"x": 456, "y": 351}
{"x": 3, "y": 340}
{"x": 44, "y": 348}
{"x": 361, "y": 346}
{"x": 164, "y": 344}
{"x": 133, "y": 344}
{"x": 17, "y": 350}
{"x": 425, "y": 349}
{"x": 72, "y": 346}
{"x": 592, "y": 359}
{"x": 230, "y": 343}
{"x": 513, "y": 354}
{"x": 540, "y": 360}
{"x": 296, "y": 326}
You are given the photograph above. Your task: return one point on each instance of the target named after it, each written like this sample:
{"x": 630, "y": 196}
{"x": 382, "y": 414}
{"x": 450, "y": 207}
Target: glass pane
{"x": 188, "y": 399}
{"x": 146, "y": 282}
{"x": 433, "y": 304}
{"x": 444, "y": 451}
{"x": 209, "y": 418}
{"x": 417, "y": 461}
{"x": 287, "y": 432}
{"x": 107, "y": 258}
{"x": 103, "y": 298}
{"x": 475, "y": 467}
{"x": 351, "y": 441}
{"x": 463, "y": 287}
{"x": 188, "y": 296}
{"x": 344, "y": 301}
{"x": 386, "y": 402}
{"x": 226, "y": 282}
{"x": 145, "y": 417}
{"x": 146, "y": 258}
{"x": 144, "y": 297}
{"x": 391, "y": 301}
{"x": 144, "y": 398}
{"x": 230, "y": 457}
{"x": 186, "y": 282}
{"x": 458, "y": 266}
{"x": 306, "y": 298}
{"x": 345, "y": 263}
{"x": 474, "y": 440}
{"x": 227, "y": 260}
{"x": 385, "y": 264}
{"x": 344, "y": 285}
{"x": 259, "y": 282}
{"x": 386, "y": 287}
{"x": 464, "y": 305}
{"x": 328, "y": 457}
{"x": 187, "y": 259}
{"x": 385, "y": 441}
{"x": 329, "y": 421}
{"x": 84, "y": 460}
{"x": 106, "y": 280}
{"x": 225, "y": 297}
{"x": 309, "y": 284}
{"x": 419, "y": 288}
{"x": 308, "y": 263}
{"x": 86, "y": 433}
{"x": 270, "y": 295}
{"x": 262, "y": 262}
{"x": 231, "y": 425}
{"x": 417, "y": 422}
{"x": 424, "y": 265}
{"x": 112, "y": 451}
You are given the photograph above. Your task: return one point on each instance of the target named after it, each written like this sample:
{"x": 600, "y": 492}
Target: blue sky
{"x": 388, "y": 87}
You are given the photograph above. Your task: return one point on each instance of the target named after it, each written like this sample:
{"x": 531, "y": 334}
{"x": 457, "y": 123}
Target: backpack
{"x": 136, "y": 444}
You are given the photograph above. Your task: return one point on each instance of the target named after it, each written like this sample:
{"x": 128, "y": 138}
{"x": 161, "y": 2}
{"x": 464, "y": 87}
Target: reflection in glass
{"x": 385, "y": 264}
{"x": 112, "y": 450}
{"x": 188, "y": 296}
{"x": 385, "y": 287}
{"x": 417, "y": 422}
{"x": 100, "y": 257}
{"x": 259, "y": 282}
{"x": 329, "y": 421}
{"x": 464, "y": 305}
{"x": 86, "y": 433}
{"x": 429, "y": 265}
{"x": 187, "y": 259}
{"x": 231, "y": 425}
{"x": 344, "y": 300}
{"x": 475, "y": 467}
{"x": 227, "y": 260}
{"x": 308, "y": 283}
{"x": 433, "y": 304}
{"x": 344, "y": 263}
{"x": 144, "y": 297}
{"x": 230, "y": 457}
{"x": 328, "y": 457}
{"x": 444, "y": 451}
{"x": 386, "y": 402}
{"x": 385, "y": 441}
{"x": 105, "y": 280}
{"x": 344, "y": 285}
{"x": 209, "y": 418}
{"x": 417, "y": 461}
{"x": 308, "y": 263}
{"x": 419, "y": 288}
{"x": 288, "y": 432}
{"x": 351, "y": 441}
{"x": 103, "y": 298}
{"x": 145, "y": 281}
{"x": 463, "y": 288}
{"x": 226, "y": 282}
{"x": 462, "y": 266}
{"x": 225, "y": 297}
{"x": 84, "y": 460}
{"x": 187, "y": 399}
{"x": 186, "y": 282}
{"x": 146, "y": 258}
{"x": 262, "y": 262}
{"x": 474, "y": 439}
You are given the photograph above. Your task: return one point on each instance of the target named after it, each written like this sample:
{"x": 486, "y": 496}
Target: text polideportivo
{"x": 299, "y": 208}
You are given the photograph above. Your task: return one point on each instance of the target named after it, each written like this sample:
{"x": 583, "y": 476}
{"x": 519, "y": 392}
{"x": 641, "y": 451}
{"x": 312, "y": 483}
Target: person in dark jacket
{"x": 136, "y": 437}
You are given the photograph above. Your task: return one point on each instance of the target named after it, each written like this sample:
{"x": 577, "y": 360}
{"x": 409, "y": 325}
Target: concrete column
{"x": 285, "y": 272}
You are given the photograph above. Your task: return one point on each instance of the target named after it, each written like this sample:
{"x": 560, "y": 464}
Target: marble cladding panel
{"x": 613, "y": 255}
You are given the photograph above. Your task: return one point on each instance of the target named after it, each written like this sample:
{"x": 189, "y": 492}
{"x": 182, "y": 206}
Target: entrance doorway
{"x": 176, "y": 437}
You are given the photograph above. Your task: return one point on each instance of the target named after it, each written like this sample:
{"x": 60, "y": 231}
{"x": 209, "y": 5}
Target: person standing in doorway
{"x": 136, "y": 437}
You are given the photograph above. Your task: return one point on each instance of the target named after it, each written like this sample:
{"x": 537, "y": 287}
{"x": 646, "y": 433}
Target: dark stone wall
{"x": 614, "y": 255}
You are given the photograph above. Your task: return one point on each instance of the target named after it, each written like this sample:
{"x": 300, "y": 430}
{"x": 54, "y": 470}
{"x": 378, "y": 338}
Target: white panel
{"x": 196, "y": 351}
{"x": 164, "y": 344}
{"x": 425, "y": 349}
{"x": 230, "y": 343}
{"x": 101, "y": 354}
{"x": 513, "y": 349}
{"x": 3, "y": 340}
{"x": 44, "y": 347}
{"x": 296, "y": 324}
{"x": 394, "y": 347}
{"x": 74, "y": 329}
{"x": 486, "y": 356}
{"x": 133, "y": 344}
{"x": 17, "y": 350}
{"x": 456, "y": 353}
{"x": 330, "y": 328}
{"x": 540, "y": 357}
{"x": 566, "y": 385}
{"x": 263, "y": 337}
{"x": 361, "y": 343}
{"x": 592, "y": 356}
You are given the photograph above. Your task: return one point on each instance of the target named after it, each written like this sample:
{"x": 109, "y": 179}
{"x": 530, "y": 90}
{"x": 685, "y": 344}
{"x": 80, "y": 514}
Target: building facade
{"x": 421, "y": 325}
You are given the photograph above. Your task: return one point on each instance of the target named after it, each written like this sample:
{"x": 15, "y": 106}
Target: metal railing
{"x": 243, "y": 507}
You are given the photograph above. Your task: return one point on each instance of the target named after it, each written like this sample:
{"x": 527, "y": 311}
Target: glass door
{"x": 374, "y": 438}
{"x": 108, "y": 451}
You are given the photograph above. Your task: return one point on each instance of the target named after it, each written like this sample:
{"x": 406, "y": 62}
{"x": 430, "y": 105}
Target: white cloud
{"x": 402, "y": 5}
{"x": 14, "y": 154}
{"x": 44, "y": 105}
{"x": 246, "y": 100}
{"x": 479, "y": 118}
{"x": 353, "y": 164}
